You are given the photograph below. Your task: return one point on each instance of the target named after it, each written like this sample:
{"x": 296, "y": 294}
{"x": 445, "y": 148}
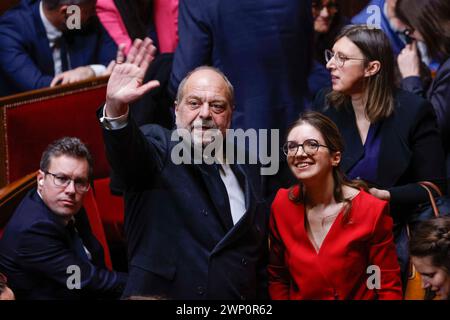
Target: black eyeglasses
{"x": 81, "y": 185}
{"x": 310, "y": 147}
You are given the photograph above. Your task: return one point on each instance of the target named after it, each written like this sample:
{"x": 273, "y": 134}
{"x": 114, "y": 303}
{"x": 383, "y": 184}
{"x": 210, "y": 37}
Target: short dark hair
{"x": 53, "y": 4}
{"x": 68, "y": 146}
{"x": 432, "y": 19}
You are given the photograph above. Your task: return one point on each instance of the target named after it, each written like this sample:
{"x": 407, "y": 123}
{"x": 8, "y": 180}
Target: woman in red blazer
{"x": 329, "y": 239}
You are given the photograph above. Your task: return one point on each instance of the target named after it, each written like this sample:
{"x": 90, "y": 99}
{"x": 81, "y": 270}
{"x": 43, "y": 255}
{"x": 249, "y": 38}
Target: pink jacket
{"x": 166, "y": 23}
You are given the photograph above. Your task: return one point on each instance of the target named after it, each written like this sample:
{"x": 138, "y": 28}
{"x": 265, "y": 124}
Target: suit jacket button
{"x": 243, "y": 297}
{"x": 205, "y": 212}
{"x": 200, "y": 290}
{"x": 244, "y": 261}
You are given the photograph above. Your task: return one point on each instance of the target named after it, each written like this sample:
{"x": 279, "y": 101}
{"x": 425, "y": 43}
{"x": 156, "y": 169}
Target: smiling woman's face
{"x": 306, "y": 167}
{"x": 435, "y": 278}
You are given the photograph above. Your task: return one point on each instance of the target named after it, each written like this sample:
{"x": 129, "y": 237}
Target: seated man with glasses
{"x": 48, "y": 250}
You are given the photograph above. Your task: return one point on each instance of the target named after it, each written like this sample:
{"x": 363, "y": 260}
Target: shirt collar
{"x": 52, "y": 32}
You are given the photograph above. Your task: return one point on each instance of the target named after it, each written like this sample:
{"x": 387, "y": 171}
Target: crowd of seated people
{"x": 216, "y": 227}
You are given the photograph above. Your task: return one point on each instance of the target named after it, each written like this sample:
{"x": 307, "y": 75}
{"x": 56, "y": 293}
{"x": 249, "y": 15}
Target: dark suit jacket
{"x": 439, "y": 95}
{"x": 26, "y": 60}
{"x": 410, "y": 151}
{"x": 181, "y": 240}
{"x": 36, "y": 250}
{"x": 262, "y": 46}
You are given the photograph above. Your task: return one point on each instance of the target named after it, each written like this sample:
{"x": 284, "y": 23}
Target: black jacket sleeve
{"x": 427, "y": 159}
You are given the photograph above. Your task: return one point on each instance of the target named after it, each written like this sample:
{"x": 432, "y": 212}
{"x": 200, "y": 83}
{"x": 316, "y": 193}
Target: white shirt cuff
{"x": 114, "y": 123}
{"x": 99, "y": 69}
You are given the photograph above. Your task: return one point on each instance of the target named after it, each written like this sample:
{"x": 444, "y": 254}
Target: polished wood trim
{"x": 12, "y": 194}
{"x": 48, "y": 93}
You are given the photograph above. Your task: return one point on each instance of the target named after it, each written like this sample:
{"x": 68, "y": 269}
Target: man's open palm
{"x": 125, "y": 84}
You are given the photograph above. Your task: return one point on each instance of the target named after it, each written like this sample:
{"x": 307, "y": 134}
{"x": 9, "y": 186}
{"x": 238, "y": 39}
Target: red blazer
{"x": 339, "y": 270}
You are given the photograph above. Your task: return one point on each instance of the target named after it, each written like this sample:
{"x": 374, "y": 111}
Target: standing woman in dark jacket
{"x": 429, "y": 21}
{"x": 391, "y": 136}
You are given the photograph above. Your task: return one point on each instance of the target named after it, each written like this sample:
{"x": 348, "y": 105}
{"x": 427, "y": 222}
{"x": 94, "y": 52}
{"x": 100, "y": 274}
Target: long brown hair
{"x": 432, "y": 19}
{"x": 432, "y": 238}
{"x": 334, "y": 142}
{"x": 379, "y": 87}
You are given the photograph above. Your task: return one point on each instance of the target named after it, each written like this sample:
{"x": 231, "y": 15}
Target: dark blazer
{"x": 36, "y": 249}
{"x": 411, "y": 149}
{"x": 439, "y": 95}
{"x": 181, "y": 240}
{"x": 26, "y": 60}
{"x": 262, "y": 46}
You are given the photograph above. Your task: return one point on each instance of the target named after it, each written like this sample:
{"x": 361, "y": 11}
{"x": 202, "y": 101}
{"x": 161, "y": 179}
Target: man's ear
{"x": 373, "y": 68}
{"x": 40, "y": 178}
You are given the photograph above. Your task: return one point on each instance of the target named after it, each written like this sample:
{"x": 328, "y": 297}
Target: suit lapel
{"x": 250, "y": 205}
{"x": 217, "y": 193}
{"x": 45, "y": 56}
{"x": 354, "y": 148}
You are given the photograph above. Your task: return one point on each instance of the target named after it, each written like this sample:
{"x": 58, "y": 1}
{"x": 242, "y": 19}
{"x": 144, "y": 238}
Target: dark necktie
{"x": 62, "y": 45}
{"x": 76, "y": 242}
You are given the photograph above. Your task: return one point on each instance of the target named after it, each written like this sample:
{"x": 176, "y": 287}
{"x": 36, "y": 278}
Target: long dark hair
{"x": 137, "y": 16}
{"x": 374, "y": 45}
{"x": 432, "y": 238}
{"x": 432, "y": 19}
{"x": 334, "y": 142}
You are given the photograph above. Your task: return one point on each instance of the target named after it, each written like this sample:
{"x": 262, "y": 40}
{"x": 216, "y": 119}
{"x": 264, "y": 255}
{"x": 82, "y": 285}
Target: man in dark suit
{"x": 48, "y": 250}
{"x": 262, "y": 46}
{"x": 39, "y": 50}
{"x": 194, "y": 230}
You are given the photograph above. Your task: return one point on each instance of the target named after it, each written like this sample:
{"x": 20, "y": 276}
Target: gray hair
{"x": 67, "y": 146}
{"x": 53, "y": 4}
{"x": 180, "y": 91}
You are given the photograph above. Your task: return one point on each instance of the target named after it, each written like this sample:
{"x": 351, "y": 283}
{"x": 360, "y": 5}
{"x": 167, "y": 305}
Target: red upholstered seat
{"x": 95, "y": 221}
{"x": 111, "y": 210}
{"x": 30, "y": 127}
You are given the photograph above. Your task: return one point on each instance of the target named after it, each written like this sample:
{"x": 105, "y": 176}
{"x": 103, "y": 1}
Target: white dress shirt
{"x": 234, "y": 190}
{"x": 53, "y": 34}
